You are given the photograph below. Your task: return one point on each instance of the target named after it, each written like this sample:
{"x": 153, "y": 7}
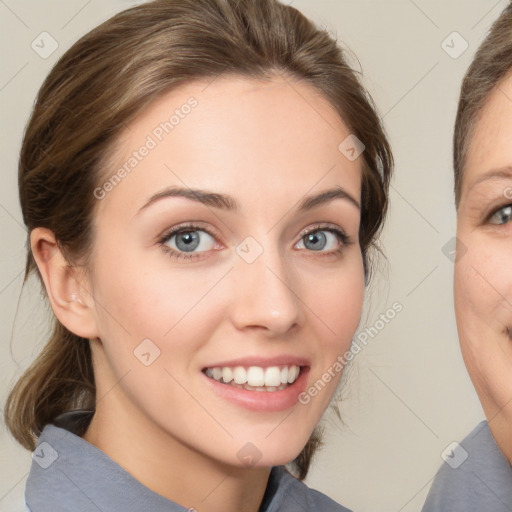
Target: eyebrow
{"x": 229, "y": 203}
{"x": 493, "y": 174}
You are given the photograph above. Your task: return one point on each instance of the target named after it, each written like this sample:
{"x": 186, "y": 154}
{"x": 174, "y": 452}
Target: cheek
{"x": 483, "y": 307}
{"x": 150, "y": 294}
{"x": 336, "y": 305}
{"x": 337, "y": 314}
{"x": 344, "y": 306}
{"x": 483, "y": 285}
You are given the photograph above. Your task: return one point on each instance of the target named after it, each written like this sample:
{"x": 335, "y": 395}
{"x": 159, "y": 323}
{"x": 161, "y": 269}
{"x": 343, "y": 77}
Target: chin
{"x": 264, "y": 454}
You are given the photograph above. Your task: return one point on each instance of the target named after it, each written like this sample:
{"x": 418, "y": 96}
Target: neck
{"x": 170, "y": 468}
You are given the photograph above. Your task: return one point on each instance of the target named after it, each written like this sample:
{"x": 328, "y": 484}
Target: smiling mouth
{"x": 255, "y": 378}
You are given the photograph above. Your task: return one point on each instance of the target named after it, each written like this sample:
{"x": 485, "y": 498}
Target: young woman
{"x": 202, "y": 182}
{"x": 480, "y": 476}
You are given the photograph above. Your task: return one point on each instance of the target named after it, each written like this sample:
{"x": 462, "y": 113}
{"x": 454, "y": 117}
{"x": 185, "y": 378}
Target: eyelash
{"x": 342, "y": 236}
{"x": 494, "y": 212}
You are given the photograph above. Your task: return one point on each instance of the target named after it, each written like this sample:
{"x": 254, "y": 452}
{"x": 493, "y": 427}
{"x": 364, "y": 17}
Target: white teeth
{"x": 240, "y": 375}
{"x": 227, "y": 374}
{"x": 273, "y": 376}
{"x": 293, "y": 373}
{"x": 256, "y": 378}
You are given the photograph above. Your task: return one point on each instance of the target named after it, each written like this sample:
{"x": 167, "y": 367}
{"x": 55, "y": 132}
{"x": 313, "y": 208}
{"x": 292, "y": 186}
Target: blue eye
{"x": 187, "y": 240}
{"x": 183, "y": 241}
{"x": 317, "y": 237}
{"x": 502, "y": 216}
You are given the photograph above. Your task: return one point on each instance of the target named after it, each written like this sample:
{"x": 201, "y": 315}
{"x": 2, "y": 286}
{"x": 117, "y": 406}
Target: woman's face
{"x": 241, "y": 292}
{"x": 483, "y": 277}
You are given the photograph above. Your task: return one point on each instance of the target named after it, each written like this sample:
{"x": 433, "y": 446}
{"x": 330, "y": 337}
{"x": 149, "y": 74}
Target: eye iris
{"x": 314, "y": 238}
{"x": 190, "y": 239}
{"x": 505, "y": 214}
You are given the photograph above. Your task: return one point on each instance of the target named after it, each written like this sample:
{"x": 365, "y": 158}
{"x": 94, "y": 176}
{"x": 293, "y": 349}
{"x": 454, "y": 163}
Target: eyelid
{"x": 327, "y": 226}
{"x": 168, "y": 234}
{"x": 186, "y": 226}
{"x": 183, "y": 228}
{"x": 494, "y": 211}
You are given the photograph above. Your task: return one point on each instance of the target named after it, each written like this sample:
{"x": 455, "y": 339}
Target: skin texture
{"x": 483, "y": 281}
{"x": 268, "y": 144}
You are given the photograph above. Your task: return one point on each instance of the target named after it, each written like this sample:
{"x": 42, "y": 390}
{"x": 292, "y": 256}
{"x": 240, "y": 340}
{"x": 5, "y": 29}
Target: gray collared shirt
{"x": 476, "y": 477}
{"x": 70, "y": 474}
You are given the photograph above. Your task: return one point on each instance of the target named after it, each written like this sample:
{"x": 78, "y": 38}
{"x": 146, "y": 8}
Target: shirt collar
{"x": 70, "y": 467}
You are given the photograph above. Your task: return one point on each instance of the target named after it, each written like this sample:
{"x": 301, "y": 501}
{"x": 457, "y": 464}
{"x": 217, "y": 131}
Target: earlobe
{"x": 69, "y": 298}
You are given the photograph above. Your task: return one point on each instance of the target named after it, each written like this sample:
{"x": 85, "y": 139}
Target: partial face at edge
{"x": 483, "y": 276}
{"x": 267, "y": 145}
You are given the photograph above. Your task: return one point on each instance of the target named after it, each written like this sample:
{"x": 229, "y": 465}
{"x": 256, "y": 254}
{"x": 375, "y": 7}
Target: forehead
{"x": 490, "y": 145}
{"x": 235, "y": 134}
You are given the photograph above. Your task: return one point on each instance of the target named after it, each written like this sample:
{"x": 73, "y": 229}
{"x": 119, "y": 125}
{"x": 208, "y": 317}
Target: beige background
{"x": 408, "y": 395}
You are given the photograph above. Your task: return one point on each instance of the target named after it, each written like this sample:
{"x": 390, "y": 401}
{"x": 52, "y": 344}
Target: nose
{"x": 264, "y": 295}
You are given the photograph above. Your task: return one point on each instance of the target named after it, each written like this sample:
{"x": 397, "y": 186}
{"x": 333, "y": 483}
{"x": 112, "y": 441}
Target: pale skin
{"x": 269, "y": 145}
{"x": 483, "y": 281}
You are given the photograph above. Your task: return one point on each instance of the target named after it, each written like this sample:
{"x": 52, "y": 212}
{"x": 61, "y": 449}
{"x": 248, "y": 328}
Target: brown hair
{"x": 490, "y": 66}
{"x": 101, "y": 84}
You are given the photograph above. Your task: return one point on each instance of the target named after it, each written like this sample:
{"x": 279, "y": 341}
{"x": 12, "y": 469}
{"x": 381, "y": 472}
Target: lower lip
{"x": 262, "y": 401}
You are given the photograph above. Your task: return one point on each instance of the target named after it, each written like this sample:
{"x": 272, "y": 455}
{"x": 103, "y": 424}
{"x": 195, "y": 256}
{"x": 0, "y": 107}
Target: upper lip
{"x": 283, "y": 360}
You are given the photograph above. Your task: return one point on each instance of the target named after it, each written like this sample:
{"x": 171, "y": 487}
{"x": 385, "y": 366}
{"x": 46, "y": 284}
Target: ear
{"x": 69, "y": 294}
